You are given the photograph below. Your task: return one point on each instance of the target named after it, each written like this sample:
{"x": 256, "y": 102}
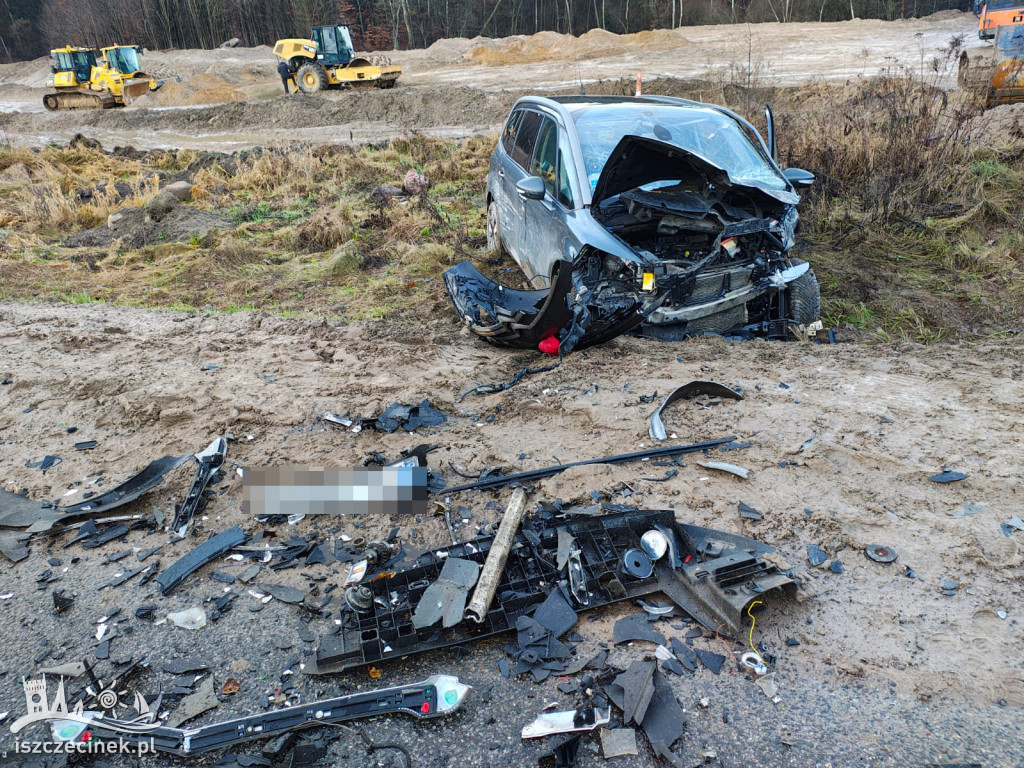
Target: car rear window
{"x": 526, "y": 139}
{"x": 508, "y": 136}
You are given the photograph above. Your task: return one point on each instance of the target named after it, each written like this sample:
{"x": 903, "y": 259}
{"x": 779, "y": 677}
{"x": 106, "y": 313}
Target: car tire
{"x": 805, "y": 298}
{"x": 311, "y": 78}
{"x": 494, "y": 241}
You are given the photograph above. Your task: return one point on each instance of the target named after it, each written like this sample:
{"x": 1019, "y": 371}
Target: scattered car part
{"x": 571, "y": 721}
{"x": 711, "y": 660}
{"x": 20, "y": 512}
{"x": 654, "y": 543}
{"x": 656, "y": 429}
{"x": 538, "y": 474}
{"x": 663, "y": 719}
{"x": 723, "y": 466}
{"x": 436, "y": 696}
{"x": 712, "y": 575}
{"x": 637, "y": 564}
{"x": 747, "y": 512}
{"x": 753, "y": 661}
{"x": 577, "y": 577}
{"x": 816, "y": 555}
{"x": 616, "y": 742}
{"x": 523, "y": 319}
{"x": 636, "y": 627}
{"x": 210, "y": 460}
{"x": 135, "y": 486}
{"x": 494, "y": 565}
{"x": 12, "y": 544}
{"x": 198, "y": 557}
{"x": 445, "y": 599}
{"x": 195, "y": 704}
{"x": 409, "y": 417}
{"x": 880, "y": 553}
{"x": 947, "y": 476}
{"x": 565, "y": 753}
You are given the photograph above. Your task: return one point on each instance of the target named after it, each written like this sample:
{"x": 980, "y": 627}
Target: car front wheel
{"x": 805, "y": 299}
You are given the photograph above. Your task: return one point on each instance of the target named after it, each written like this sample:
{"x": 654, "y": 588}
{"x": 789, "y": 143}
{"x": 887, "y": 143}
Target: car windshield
{"x": 124, "y": 60}
{"x": 708, "y": 133}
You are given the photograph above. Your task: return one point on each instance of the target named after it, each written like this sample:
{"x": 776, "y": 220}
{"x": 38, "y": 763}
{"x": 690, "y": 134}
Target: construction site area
{"x": 226, "y": 323}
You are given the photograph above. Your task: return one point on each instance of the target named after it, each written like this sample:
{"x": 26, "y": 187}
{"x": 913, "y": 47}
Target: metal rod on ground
{"x": 487, "y": 584}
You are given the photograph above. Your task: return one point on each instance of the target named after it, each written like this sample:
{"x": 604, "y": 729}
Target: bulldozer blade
{"x": 133, "y": 89}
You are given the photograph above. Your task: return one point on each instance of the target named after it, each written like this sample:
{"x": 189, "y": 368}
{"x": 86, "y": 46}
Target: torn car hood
{"x": 636, "y": 161}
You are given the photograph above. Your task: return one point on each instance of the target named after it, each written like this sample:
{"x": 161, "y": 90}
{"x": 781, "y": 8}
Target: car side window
{"x": 508, "y": 136}
{"x": 545, "y": 159}
{"x": 526, "y": 139}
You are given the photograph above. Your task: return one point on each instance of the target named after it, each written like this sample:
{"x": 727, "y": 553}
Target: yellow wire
{"x": 752, "y": 622}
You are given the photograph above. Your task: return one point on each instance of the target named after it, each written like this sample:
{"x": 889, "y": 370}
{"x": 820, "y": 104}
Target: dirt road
{"x": 231, "y": 99}
{"x": 842, "y": 441}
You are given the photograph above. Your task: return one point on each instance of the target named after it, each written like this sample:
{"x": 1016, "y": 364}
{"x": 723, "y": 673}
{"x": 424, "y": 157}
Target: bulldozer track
{"x": 78, "y": 100}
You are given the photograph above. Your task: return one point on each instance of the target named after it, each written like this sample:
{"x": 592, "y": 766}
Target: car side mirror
{"x": 531, "y": 188}
{"x": 798, "y": 177}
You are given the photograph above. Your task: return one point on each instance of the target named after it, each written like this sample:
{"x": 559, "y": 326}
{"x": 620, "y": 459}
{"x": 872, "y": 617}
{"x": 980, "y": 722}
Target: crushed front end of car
{"x": 693, "y": 251}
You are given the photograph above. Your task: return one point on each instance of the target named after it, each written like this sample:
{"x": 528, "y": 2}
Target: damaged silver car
{"x": 656, "y": 213}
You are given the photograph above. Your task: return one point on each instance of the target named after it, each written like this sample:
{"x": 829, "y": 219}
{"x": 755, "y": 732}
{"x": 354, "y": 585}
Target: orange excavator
{"x": 998, "y": 71}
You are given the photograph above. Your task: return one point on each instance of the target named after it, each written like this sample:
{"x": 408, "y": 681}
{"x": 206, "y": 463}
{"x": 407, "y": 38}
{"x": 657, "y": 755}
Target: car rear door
{"x": 548, "y": 234}
{"x": 510, "y": 174}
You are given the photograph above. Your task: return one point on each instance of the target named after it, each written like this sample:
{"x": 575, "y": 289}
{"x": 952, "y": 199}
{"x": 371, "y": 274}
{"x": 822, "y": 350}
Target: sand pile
{"x": 551, "y": 46}
{"x": 197, "y": 91}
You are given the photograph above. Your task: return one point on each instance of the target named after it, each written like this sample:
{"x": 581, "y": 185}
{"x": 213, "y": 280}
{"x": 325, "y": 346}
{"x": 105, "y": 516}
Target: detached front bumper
{"x": 577, "y": 316}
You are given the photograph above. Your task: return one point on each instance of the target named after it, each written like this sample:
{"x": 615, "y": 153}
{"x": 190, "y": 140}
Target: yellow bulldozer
{"x": 84, "y": 81}
{"x": 328, "y": 60}
{"x": 997, "y": 71}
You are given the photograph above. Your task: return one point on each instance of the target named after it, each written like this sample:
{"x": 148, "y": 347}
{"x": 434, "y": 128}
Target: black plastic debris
{"x": 132, "y": 488}
{"x": 836, "y": 566}
{"x": 656, "y": 428}
{"x": 565, "y": 753}
{"x": 949, "y": 587}
{"x": 686, "y": 655}
{"x": 747, "y": 512}
{"x": 816, "y": 555}
{"x": 665, "y": 719}
{"x": 44, "y": 463}
{"x": 183, "y": 667}
{"x": 409, "y": 417}
{"x": 1011, "y": 525}
{"x": 107, "y": 535}
{"x": 12, "y": 544}
{"x": 198, "y": 557}
{"x": 636, "y": 627}
{"x": 210, "y": 461}
{"x": 86, "y": 445}
{"x": 62, "y": 601}
{"x": 445, "y": 599}
{"x": 284, "y": 593}
{"x": 673, "y": 666}
{"x": 947, "y": 476}
{"x": 637, "y": 684}
{"x": 880, "y": 553}
{"x": 712, "y": 661}
{"x": 539, "y": 474}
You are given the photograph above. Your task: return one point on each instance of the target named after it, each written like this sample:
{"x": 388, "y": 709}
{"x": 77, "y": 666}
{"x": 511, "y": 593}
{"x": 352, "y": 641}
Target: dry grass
{"x": 913, "y": 227}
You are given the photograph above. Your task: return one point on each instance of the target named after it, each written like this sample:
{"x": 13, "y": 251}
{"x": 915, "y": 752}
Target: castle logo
{"x": 67, "y": 725}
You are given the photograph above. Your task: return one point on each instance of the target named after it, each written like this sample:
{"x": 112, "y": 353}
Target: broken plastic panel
{"x": 210, "y": 460}
{"x": 523, "y": 319}
{"x": 656, "y": 429}
{"x": 436, "y": 696}
{"x": 712, "y": 575}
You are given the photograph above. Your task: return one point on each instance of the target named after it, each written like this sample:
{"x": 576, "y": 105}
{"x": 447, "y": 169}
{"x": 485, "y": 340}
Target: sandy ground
{"x": 893, "y": 670}
{"x": 231, "y": 99}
